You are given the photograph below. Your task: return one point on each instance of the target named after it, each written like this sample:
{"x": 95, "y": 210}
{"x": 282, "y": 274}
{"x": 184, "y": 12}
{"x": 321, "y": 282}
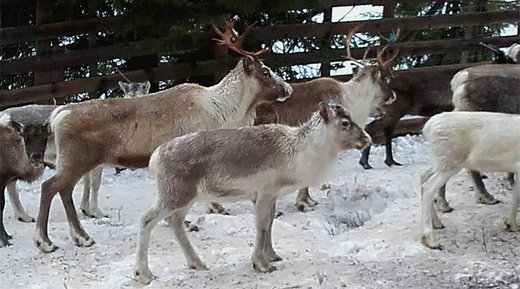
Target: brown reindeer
{"x": 125, "y": 132}
{"x": 21, "y": 158}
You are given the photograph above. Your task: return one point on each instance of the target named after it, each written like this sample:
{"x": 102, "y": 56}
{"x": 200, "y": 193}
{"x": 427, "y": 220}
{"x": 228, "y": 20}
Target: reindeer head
{"x": 134, "y": 89}
{"x": 346, "y": 132}
{"x": 271, "y": 87}
{"x": 31, "y": 138}
{"x": 377, "y": 78}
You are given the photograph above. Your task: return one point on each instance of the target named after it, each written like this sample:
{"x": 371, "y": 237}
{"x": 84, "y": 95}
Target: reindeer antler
{"x": 348, "y": 40}
{"x": 380, "y": 54}
{"x": 232, "y": 40}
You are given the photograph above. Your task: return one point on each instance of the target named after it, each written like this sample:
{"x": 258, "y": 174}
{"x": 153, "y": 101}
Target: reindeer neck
{"x": 314, "y": 137}
{"x": 358, "y": 97}
{"x": 232, "y": 99}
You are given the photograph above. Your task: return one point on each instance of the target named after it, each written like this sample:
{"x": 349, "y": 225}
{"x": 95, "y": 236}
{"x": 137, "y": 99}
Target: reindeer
{"x": 125, "y": 132}
{"x": 37, "y": 115}
{"x": 493, "y": 88}
{"x": 424, "y": 92}
{"x": 364, "y": 95}
{"x": 21, "y": 157}
{"x": 258, "y": 163}
{"x": 487, "y": 141}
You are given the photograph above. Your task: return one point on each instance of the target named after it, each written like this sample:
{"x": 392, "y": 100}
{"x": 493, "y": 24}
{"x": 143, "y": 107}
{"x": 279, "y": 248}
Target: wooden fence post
{"x": 44, "y": 15}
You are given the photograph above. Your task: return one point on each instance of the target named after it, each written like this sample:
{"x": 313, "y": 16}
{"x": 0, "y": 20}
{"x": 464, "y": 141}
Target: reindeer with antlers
{"x": 364, "y": 95}
{"x": 125, "y": 132}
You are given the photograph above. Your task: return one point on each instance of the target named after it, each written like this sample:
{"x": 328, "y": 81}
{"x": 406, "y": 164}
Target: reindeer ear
{"x": 146, "y": 86}
{"x": 123, "y": 86}
{"x": 249, "y": 64}
{"x": 327, "y": 110}
{"x": 18, "y": 127}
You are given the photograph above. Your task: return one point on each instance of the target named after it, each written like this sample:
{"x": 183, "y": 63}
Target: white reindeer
{"x": 481, "y": 141}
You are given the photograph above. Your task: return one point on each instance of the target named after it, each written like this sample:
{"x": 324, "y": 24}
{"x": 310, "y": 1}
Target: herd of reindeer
{"x": 255, "y": 137}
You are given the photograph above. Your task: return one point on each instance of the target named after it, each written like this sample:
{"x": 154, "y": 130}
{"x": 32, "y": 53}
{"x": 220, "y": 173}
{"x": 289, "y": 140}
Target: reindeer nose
{"x": 37, "y": 157}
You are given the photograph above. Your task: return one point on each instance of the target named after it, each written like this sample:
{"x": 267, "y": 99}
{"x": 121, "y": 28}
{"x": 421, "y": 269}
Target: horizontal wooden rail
{"x": 406, "y": 23}
{"x": 21, "y": 34}
{"x": 94, "y": 55}
{"x": 67, "y": 88}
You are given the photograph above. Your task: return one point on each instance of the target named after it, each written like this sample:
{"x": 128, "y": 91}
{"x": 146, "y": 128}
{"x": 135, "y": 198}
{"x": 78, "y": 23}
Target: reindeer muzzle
{"x": 287, "y": 92}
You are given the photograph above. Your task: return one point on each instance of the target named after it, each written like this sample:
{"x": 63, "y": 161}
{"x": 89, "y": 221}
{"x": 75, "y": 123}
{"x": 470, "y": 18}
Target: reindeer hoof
{"x": 366, "y": 166}
{"x": 82, "y": 241}
{"x": 429, "y": 242}
{"x": 188, "y": 226}
{"x": 44, "y": 246}
{"x": 198, "y": 266}
{"x": 274, "y": 258}
{"x": 437, "y": 224}
{"x": 487, "y": 200}
{"x": 512, "y": 226}
{"x": 442, "y": 206}
{"x": 216, "y": 208}
{"x": 263, "y": 268}
{"x": 4, "y": 241}
{"x": 95, "y": 213}
{"x": 144, "y": 277}
{"x": 391, "y": 162}
{"x": 306, "y": 205}
{"x": 24, "y": 218}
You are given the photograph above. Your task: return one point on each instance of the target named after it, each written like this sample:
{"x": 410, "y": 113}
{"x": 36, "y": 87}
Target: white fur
{"x": 514, "y": 52}
{"x": 481, "y": 141}
{"x": 5, "y": 119}
{"x": 358, "y": 98}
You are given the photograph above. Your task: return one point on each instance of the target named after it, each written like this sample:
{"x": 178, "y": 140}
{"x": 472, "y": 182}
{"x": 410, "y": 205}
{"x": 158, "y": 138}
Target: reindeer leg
{"x": 363, "y": 161}
{"x": 304, "y": 202}
{"x": 264, "y": 215}
{"x": 176, "y": 223}
{"x": 95, "y": 176}
{"x": 19, "y": 212}
{"x": 481, "y": 194}
{"x": 149, "y": 219}
{"x": 270, "y": 254}
{"x": 41, "y": 238}
{"x": 441, "y": 203}
{"x": 78, "y": 234}
{"x": 389, "y": 134}
{"x": 85, "y": 199}
{"x": 4, "y": 237}
{"x": 511, "y": 180}
{"x": 511, "y": 224}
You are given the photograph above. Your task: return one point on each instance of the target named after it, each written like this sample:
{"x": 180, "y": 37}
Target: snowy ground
{"x": 363, "y": 234}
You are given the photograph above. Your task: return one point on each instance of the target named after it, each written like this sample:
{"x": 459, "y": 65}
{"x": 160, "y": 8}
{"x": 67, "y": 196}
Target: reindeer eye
{"x": 345, "y": 124}
{"x": 265, "y": 72}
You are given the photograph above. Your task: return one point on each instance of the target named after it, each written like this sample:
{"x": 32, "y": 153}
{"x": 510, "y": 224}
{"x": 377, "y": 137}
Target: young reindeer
{"x": 38, "y": 115}
{"x": 491, "y": 87}
{"x": 125, "y": 132}
{"x": 258, "y": 163}
{"x": 481, "y": 141}
{"x": 21, "y": 157}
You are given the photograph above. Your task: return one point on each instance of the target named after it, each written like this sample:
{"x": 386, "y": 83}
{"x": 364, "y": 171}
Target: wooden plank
{"x": 163, "y": 72}
{"x": 406, "y": 23}
{"x": 405, "y": 49}
{"x": 93, "y": 55}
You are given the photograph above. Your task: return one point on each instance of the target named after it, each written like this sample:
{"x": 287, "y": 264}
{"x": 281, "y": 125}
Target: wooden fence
{"x": 59, "y": 60}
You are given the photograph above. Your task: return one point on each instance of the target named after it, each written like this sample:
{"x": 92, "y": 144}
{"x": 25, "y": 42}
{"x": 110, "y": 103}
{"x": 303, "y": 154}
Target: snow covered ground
{"x": 364, "y": 233}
